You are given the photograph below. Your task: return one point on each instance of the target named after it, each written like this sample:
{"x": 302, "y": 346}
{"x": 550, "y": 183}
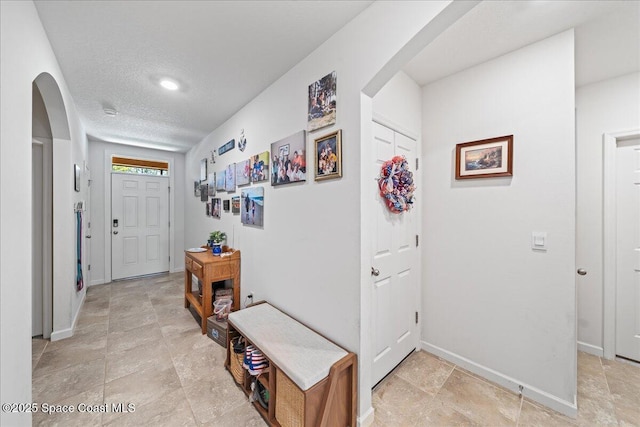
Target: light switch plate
{"x": 539, "y": 240}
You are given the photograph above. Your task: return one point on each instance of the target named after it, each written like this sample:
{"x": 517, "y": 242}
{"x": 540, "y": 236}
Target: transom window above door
{"x": 139, "y": 166}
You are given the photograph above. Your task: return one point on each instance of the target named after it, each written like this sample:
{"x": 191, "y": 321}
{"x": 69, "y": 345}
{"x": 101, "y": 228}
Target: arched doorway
{"x": 50, "y": 142}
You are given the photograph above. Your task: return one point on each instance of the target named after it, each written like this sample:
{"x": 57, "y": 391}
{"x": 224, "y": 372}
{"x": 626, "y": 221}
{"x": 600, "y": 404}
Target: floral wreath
{"x": 396, "y": 184}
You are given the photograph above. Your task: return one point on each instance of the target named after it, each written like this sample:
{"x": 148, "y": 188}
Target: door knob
{"x": 115, "y": 232}
{"x": 582, "y": 272}
{"x": 375, "y": 271}
{"x": 88, "y": 236}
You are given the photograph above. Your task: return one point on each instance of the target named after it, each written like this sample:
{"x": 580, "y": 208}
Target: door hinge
{"x": 417, "y": 240}
{"x": 416, "y": 317}
{"x": 89, "y": 224}
{"x": 89, "y": 267}
{"x": 416, "y": 163}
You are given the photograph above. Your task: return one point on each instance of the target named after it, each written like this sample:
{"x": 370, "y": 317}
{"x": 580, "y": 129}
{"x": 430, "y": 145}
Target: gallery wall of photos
{"x": 286, "y": 163}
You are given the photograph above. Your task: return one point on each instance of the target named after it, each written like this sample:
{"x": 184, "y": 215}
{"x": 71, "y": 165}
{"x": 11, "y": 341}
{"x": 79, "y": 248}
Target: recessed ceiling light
{"x": 111, "y": 112}
{"x": 169, "y": 84}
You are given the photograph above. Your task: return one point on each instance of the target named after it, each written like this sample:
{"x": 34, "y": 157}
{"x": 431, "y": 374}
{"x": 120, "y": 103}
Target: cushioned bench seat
{"x": 304, "y": 355}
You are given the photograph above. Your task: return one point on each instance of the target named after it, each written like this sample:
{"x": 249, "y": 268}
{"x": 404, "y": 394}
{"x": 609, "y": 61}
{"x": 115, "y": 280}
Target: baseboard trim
{"x": 68, "y": 333}
{"x": 567, "y": 408}
{"x": 591, "y": 349}
{"x": 97, "y": 282}
{"x": 366, "y": 420}
{"x": 60, "y": 335}
{"x": 177, "y": 270}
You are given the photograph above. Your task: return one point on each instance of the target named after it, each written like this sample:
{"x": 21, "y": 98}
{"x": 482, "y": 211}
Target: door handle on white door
{"x": 88, "y": 236}
{"x": 582, "y": 272}
{"x": 115, "y": 232}
{"x": 375, "y": 272}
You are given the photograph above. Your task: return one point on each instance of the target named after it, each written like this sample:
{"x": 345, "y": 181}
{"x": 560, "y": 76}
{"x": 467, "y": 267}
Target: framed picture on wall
{"x": 235, "y": 204}
{"x": 220, "y": 180}
{"x": 203, "y": 170}
{"x": 328, "y": 156}
{"x": 204, "y": 192}
{"x": 211, "y": 183}
{"x": 260, "y": 167}
{"x": 289, "y": 163}
{"x": 76, "y": 177}
{"x": 230, "y": 179}
{"x": 196, "y": 188}
{"x": 216, "y": 208}
{"x": 322, "y": 102}
{"x": 486, "y": 158}
{"x": 243, "y": 172}
{"x": 252, "y": 206}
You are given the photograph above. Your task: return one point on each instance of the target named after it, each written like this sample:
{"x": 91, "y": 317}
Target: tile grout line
{"x": 609, "y": 395}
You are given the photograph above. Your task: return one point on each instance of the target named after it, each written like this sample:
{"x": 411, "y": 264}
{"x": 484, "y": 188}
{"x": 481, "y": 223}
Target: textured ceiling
{"x": 607, "y": 37}
{"x": 223, "y": 53}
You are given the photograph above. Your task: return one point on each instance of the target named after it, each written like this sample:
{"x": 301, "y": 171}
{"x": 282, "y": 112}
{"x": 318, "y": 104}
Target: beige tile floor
{"x": 135, "y": 343}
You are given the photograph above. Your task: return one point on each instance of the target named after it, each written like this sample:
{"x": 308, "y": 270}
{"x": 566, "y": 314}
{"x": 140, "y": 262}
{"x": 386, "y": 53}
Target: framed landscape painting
{"x": 486, "y": 158}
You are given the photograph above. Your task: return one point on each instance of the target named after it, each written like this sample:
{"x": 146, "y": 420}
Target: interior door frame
{"x": 382, "y": 120}
{"x": 610, "y": 142}
{"x": 108, "y": 156}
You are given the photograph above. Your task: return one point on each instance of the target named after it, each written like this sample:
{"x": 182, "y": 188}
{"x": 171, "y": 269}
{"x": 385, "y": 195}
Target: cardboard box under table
{"x": 217, "y": 331}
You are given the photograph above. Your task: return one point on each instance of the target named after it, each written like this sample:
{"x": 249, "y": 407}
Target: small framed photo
{"x": 203, "y": 170}
{"x": 76, "y": 177}
{"x": 328, "y": 155}
{"x": 235, "y": 204}
{"x": 230, "y": 180}
{"x": 486, "y": 158}
{"x": 204, "y": 192}
{"x": 225, "y": 205}
{"x": 216, "y": 207}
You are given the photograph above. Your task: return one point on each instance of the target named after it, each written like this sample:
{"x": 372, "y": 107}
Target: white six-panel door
{"x": 628, "y": 249}
{"x": 140, "y": 240}
{"x": 395, "y": 288}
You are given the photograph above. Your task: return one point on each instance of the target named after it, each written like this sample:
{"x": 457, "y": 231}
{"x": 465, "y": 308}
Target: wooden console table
{"x": 209, "y": 269}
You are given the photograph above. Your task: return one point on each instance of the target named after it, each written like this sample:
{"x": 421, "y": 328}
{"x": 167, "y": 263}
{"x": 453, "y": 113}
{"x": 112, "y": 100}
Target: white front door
{"x": 395, "y": 274}
{"x": 139, "y": 225}
{"x": 628, "y": 249}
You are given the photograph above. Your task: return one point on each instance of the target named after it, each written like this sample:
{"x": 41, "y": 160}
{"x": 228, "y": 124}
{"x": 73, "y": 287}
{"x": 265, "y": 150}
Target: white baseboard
{"x": 97, "y": 282}
{"x": 367, "y": 419}
{"x": 60, "y": 335}
{"x": 67, "y": 333}
{"x": 591, "y": 349}
{"x": 177, "y": 270}
{"x": 567, "y": 408}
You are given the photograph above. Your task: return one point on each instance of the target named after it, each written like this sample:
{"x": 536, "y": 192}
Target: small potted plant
{"x": 216, "y": 238}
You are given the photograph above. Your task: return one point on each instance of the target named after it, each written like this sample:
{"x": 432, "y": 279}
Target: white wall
{"x": 99, "y": 155}
{"x": 25, "y": 53}
{"x": 490, "y": 303}
{"x": 604, "y": 107}
{"x": 399, "y": 105}
{"x": 307, "y": 258}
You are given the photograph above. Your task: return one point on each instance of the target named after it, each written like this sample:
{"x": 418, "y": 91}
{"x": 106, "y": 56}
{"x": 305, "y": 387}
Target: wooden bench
{"x": 311, "y": 380}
